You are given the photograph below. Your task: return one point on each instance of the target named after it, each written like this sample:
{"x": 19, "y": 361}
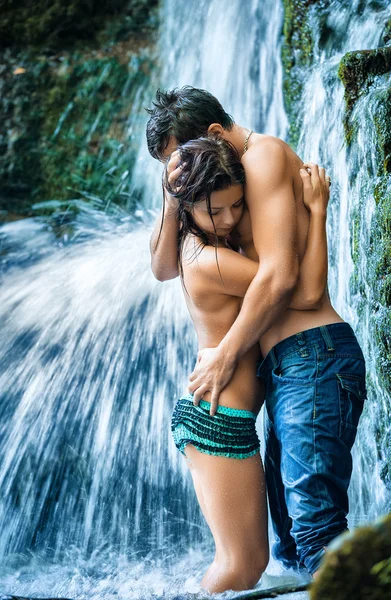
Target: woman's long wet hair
{"x": 208, "y": 164}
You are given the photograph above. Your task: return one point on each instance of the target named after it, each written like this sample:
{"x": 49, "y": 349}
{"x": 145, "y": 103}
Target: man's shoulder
{"x": 264, "y": 145}
{"x": 268, "y": 158}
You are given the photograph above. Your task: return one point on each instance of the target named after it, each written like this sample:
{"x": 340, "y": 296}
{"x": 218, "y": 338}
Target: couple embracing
{"x": 244, "y": 225}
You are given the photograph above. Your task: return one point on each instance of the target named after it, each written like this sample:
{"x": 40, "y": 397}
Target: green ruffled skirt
{"x": 230, "y": 432}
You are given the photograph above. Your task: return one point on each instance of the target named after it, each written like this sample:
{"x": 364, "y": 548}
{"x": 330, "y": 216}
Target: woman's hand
{"x": 316, "y": 187}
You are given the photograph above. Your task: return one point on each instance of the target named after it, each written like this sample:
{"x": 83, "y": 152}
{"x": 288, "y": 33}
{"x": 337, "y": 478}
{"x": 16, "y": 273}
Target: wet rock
{"x": 379, "y": 270}
{"x": 357, "y": 565}
{"x": 358, "y": 71}
{"x": 274, "y": 592}
{"x": 309, "y": 26}
{"x": 297, "y": 53}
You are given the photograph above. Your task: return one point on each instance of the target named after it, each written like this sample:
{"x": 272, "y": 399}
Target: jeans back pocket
{"x": 352, "y": 393}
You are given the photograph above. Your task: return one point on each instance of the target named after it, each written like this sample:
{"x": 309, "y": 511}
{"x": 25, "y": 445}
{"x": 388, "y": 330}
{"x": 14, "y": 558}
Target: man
{"x": 313, "y": 367}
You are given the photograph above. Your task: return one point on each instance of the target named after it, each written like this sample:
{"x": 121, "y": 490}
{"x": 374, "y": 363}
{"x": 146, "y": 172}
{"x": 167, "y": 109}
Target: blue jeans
{"x": 315, "y": 391}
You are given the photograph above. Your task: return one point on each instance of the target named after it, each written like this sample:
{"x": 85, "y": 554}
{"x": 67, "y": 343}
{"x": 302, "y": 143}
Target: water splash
{"x": 95, "y": 499}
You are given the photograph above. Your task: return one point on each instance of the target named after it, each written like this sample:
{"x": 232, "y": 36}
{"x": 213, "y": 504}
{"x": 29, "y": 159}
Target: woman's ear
{"x": 215, "y": 129}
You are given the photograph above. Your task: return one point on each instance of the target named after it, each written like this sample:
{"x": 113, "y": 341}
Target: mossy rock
{"x": 380, "y": 260}
{"x": 382, "y": 123}
{"x": 297, "y": 54}
{"x": 387, "y": 32}
{"x": 357, "y": 71}
{"x": 378, "y": 254}
{"x": 357, "y": 565}
{"x": 57, "y": 23}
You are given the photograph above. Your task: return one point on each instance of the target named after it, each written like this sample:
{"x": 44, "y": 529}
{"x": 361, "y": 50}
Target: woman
{"x": 215, "y": 276}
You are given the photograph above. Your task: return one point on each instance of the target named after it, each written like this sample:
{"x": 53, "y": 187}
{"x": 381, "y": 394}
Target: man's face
{"x": 172, "y": 145}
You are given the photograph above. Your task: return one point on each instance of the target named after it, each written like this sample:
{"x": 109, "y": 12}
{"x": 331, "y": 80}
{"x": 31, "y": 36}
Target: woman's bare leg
{"x": 232, "y": 496}
{"x": 200, "y": 497}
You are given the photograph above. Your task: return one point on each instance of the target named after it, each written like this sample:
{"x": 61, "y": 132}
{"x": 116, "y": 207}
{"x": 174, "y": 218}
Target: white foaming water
{"x": 95, "y": 501}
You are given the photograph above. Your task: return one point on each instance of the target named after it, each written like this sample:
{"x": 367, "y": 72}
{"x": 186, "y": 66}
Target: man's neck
{"x": 237, "y": 136}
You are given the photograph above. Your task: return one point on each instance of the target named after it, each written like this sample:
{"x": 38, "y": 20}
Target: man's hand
{"x": 213, "y": 372}
{"x": 164, "y": 238}
{"x": 174, "y": 169}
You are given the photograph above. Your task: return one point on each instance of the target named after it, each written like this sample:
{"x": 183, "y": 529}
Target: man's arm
{"x": 271, "y": 203}
{"x": 164, "y": 242}
{"x": 229, "y": 272}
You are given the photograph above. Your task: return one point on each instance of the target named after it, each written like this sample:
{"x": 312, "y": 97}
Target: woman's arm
{"x": 309, "y": 292}
{"x": 310, "y": 289}
{"x": 220, "y": 270}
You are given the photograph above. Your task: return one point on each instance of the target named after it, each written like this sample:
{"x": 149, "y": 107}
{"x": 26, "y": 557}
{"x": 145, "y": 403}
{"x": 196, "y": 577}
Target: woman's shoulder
{"x": 198, "y": 257}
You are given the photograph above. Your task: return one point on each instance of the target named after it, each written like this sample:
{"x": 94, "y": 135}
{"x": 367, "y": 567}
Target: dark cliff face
{"x": 69, "y": 74}
{"x": 360, "y": 73}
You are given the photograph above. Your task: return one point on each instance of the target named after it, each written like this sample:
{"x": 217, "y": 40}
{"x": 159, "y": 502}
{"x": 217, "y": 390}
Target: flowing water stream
{"x": 95, "y": 500}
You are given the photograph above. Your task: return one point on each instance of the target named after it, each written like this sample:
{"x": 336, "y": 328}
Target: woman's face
{"x": 226, "y": 208}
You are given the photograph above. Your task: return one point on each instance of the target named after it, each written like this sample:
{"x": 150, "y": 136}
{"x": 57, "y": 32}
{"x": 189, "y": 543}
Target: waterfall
{"x": 353, "y": 27}
{"x": 95, "y": 500}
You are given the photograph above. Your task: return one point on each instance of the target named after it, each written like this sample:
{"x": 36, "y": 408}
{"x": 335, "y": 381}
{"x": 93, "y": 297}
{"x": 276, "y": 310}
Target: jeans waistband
{"x": 326, "y": 335}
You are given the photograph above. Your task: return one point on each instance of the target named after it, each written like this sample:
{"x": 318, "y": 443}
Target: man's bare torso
{"x": 290, "y": 321}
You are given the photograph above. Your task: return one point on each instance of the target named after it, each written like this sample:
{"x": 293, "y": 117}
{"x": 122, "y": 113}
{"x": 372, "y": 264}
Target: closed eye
{"x": 239, "y": 202}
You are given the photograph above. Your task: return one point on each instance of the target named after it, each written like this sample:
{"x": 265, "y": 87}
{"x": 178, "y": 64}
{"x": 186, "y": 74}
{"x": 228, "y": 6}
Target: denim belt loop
{"x": 300, "y": 338}
{"x": 302, "y": 344}
{"x": 273, "y": 358}
{"x": 327, "y": 338}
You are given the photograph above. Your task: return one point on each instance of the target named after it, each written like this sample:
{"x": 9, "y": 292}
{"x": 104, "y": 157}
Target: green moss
{"x": 387, "y": 32}
{"x": 58, "y": 23}
{"x": 297, "y": 54}
{"x": 357, "y": 565}
{"x": 67, "y": 118}
{"x": 65, "y": 102}
{"x": 380, "y": 259}
{"x": 357, "y": 71}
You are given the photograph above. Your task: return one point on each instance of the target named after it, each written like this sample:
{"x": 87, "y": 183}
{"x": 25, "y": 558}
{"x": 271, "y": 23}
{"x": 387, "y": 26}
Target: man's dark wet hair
{"x": 183, "y": 113}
